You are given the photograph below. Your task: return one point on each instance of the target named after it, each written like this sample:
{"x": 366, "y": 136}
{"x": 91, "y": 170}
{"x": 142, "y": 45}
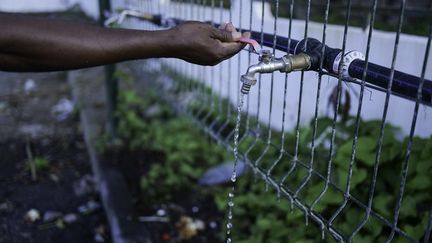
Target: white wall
{"x": 33, "y": 6}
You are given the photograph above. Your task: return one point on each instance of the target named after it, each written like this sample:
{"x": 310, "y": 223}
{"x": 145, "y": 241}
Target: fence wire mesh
{"x": 350, "y": 155}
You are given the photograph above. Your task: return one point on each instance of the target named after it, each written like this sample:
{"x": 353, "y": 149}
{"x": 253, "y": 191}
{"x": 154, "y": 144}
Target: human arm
{"x": 38, "y": 44}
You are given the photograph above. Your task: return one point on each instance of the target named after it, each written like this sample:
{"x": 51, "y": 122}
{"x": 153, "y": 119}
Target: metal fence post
{"x": 111, "y": 83}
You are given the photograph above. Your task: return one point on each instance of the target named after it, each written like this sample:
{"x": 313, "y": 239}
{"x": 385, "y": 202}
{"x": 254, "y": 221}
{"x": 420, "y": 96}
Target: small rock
{"x": 161, "y": 212}
{"x": 32, "y": 215}
{"x": 3, "y": 106}
{"x": 62, "y": 109}
{"x": 51, "y": 216}
{"x": 199, "y": 224}
{"x": 54, "y": 177}
{"x": 85, "y": 185}
{"x": 29, "y": 86}
{"x": 100, "y": 233}
{"x": 92, "y": 205}
{"x": 89, "y": 207}
{"x": 33, "y": 130}
{"x": 5, "y": 207}
{"x": 188, "y": 227}
{"x": 99, "y": 238}
{"x": 26, "y": 235}
{"x": 70, "y": 218}
{"x": 213, "y": 225}
{"x": 195, "y": 209}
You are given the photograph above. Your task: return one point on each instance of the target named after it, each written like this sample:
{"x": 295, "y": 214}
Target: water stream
{"x": 231, "y": 194}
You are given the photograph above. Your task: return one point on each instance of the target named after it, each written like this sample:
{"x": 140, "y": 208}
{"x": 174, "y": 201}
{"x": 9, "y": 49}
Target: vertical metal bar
{"x": 269, "y": 131}
{"x": 228, "y": 89}
{"x": 314, "y": 129}
{"x": 111, "y": 84}
{"x": 383, "y": 122}
{"x": 247, "y": 117}
{"x": 282, "y": 148}
{"x": 295, "y": 159}
{"x": 405, "y": 164}
{"x": 203, "y": 72}
{"x": 323, "y": 191}
{"x": 219, "y": 96}
{"x": 239, "y": 28}
{"x": 257, "y": 132}
{"x": 282, "y": 138}
{"x": 212, "y": 73}
{"x": 357, "y": 122}
{"x": 347, "y": 17}
{"x": 229, "y": 77}
{"x": 428, "y": 229}
{"x": 239, "y": 55}
{"x": 299, "y": 113}
{"x": 184, "y": 64}
{"x": 221, "y": 64}
{"x": 190, "y": 76}
{"x": 301, "y": 86}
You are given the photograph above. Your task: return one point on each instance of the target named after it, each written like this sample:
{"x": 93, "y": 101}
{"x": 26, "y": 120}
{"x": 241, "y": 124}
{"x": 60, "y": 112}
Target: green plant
{"x": 258, "y": 215}
{"x": 41, "y": 163}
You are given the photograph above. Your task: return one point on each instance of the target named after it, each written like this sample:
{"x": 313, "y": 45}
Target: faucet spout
{"x": 268, "y": 64}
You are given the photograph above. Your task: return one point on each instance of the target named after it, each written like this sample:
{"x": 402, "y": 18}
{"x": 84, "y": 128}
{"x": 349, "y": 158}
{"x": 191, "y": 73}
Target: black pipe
{"x": 281, "y": 42}
{"x": 403, "y": 83}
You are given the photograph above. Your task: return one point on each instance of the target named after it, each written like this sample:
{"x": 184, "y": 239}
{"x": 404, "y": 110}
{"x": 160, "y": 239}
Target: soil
{"x": 53, "y": 191}
{"x": 190, "y": 202}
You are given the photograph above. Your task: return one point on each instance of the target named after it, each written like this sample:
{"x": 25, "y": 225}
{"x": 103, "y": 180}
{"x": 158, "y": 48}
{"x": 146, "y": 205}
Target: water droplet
{"x": 322, "y": 233}
{"x": 231, "y": 195}
{"x": 229, "y": 225}
{"x": 234, "y": 177}
{"x": 306, "y": 219}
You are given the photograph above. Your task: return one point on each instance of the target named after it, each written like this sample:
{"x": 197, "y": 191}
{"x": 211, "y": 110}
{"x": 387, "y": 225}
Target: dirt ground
{"x": 52, "y": 192}
{"x": 35, "y": 118}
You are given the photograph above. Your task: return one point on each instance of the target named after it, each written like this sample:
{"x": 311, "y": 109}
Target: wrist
{"x": 168, "y": 42}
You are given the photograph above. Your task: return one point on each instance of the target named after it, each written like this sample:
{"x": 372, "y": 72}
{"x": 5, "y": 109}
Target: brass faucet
{"x": 268, "y": 64}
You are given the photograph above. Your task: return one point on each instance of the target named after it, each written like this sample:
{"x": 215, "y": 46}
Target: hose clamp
{"x": 348, "y": 58}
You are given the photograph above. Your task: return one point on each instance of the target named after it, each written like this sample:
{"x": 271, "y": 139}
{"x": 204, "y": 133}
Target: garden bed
{"x": 59, "y": 195}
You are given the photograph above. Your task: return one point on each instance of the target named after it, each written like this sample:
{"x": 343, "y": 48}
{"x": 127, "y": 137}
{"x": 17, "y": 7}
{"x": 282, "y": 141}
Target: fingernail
{"x": 236, "y": 35}
{"x": 222, "y": 26}
{"x": 230, "y": 27}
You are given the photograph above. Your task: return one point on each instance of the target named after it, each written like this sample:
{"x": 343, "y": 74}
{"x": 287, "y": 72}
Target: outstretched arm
{"x": 37, "y": 44}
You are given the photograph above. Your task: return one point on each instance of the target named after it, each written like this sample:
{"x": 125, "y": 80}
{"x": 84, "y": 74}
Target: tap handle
{"x": 265, "y": 56}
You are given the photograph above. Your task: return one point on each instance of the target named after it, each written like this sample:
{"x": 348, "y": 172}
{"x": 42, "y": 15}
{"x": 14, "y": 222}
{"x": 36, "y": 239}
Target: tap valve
{"x": 265, "y": 56}
{"x": 268, "y": 64}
